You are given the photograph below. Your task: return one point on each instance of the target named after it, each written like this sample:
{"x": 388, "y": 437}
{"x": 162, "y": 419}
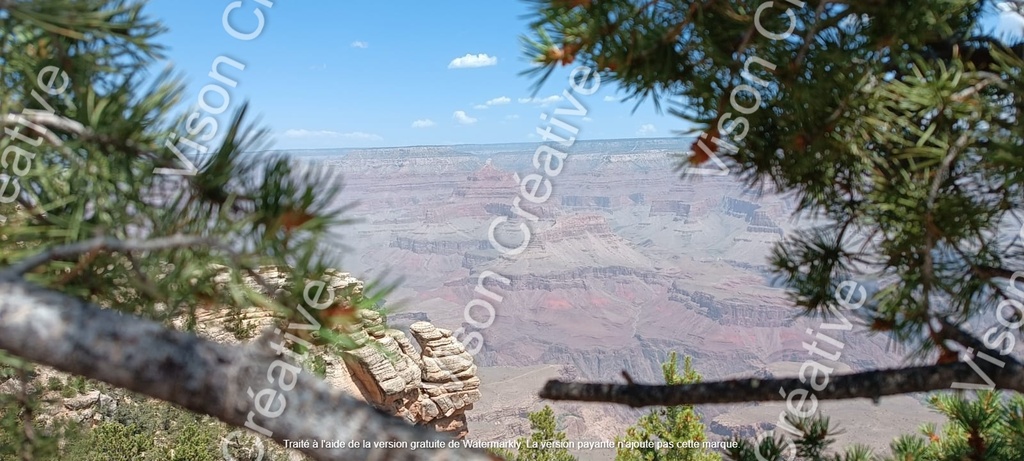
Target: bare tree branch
{"x": 22, "y": 267}
{"x": 993, "y": 272}
{"x": 954, "y": 333}
{"x": 44, "y": 124}
{"x": 870, "y": 384}
{"x": 203, "y": 376}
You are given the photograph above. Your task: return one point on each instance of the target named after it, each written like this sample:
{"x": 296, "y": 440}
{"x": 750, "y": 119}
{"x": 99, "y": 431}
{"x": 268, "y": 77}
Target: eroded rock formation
{"x": 431, "y": 383}
{"x": 432, "y": 386}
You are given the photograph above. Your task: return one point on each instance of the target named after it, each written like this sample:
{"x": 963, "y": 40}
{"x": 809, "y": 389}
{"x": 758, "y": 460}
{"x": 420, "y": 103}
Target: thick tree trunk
{"x": 244, "y": 386}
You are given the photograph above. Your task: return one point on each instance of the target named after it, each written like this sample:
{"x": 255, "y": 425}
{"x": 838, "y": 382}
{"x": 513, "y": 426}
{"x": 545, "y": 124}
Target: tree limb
{"x": 44, "y": 124}
{"x": 993, "y": 272}
{"x": 869, "y": 384}
{"x": 23, "y": 266}
{"x": 203, "y": 376}
{"x": 954, "y": 333}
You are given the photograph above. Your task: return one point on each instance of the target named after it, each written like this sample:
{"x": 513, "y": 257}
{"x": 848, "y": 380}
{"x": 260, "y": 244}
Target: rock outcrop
{"x": 432, "y": 383}
{"x": 434, "y": 386}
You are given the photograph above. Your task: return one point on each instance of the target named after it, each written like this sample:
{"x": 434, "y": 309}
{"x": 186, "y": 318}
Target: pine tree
{"x": 987, "y": 427}
{"x": 678, "y": 425}
{"x": 895, "y": 125}
{"x": 536, "y": 447}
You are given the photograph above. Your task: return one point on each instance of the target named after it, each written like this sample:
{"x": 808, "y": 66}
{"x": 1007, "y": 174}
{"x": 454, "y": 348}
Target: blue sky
{"x": 363, "y": 74}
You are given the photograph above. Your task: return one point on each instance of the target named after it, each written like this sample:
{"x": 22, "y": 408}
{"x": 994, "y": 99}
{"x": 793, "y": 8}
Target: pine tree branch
{"x": 23, "y": 266}
{"x": 954, "y": 333}
{"x": 203, "y": 376}
{"x": 869, "y": 384}
{"x": 993, "y": 272}
{"x": 44, "y": 124}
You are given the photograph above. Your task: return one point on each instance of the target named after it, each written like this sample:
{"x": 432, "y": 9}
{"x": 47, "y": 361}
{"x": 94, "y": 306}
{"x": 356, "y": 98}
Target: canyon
{"x": 627, "y": 261}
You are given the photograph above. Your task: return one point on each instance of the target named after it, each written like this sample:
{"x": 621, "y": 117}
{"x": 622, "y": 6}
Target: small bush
{"x": 318, "y": 366}
{"x": 196, "y": 442}
{"x": 114, "y": 442}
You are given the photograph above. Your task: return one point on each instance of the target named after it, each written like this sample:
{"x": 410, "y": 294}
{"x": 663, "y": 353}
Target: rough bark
{"x": 870, "y": 384}
{"x": 203, "y": 376}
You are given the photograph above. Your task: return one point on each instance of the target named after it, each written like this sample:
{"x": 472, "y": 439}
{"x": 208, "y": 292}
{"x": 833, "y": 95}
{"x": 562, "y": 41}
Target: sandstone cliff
{"x": 432, "y": 383}
{"x": 433, "y": 386}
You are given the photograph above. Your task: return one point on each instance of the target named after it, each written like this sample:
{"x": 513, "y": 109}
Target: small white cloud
{"x": 646, "y": 129}
{"x": 588, "y": 119}
{"x": 610, "y": 99}
{"x": 359, "y": 44}
{"x": 511, "y": 117}
{"x": 480, "y": 106}
{"x": 541, "y": 101}
{"x": 1010, "y": 20}
{"x": 310, "y": 134}
{"x": 318, "y": 67}
{"x": 423, "y": 123}
{"x": 361, "y": 135}
{"x": 473, "y": 60}
{"x": 332, "y": 134}
{"x": 549, "y": 100}
{"x": 461, "y": 117}
{"x": 501, "y": 100}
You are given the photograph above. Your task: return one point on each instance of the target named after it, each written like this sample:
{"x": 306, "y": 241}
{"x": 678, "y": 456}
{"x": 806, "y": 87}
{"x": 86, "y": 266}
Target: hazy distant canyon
{"x": 626, "y": 262}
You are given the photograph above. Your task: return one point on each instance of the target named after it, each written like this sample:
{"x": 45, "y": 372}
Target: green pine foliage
{"x": 676, "y": 425}
{"x": 986, "y": 427}
{"x": 98, "y": 166}
{"x": 544, "y": 429}
{"x": 894, "y": 124}
{"x": 982, "y": 426}
{"x": 814, "y": 441}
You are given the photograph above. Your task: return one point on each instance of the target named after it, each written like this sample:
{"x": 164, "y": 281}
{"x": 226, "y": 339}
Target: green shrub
{"x": 318, "y": 366}
{"x": 196, "y": 442}
{"x": 113, "y": 442}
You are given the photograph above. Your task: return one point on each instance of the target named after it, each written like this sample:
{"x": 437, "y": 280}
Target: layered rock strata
{"x": 434, "y": 386}
{"x": 432, "y": 383}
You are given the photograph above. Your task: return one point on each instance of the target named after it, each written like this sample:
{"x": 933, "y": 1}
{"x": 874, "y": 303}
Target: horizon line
{"x": 470, "y": 144}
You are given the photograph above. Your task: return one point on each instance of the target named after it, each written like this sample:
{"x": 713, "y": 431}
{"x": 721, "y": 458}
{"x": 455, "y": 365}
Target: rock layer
{"x": 433, "y": 387}
{"x": 433, "y": 384}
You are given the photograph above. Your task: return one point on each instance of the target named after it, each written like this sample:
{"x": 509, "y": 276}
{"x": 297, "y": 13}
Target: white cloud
{"x": 480, "y": 106}
{"x": 332, "y": 134}
{"x": 541, "y": 101}
{"x": 588, "y": 119}
{"x": 360, "y": 44}
{"x": 511, "y": 117}
{"x": 1010, "y": 20}
{"x": 610, "y": 99}
{"x": 646, "y": 129}
{"x": 423, "y": 123}
{"x": 462, "y": 118}
{"x": 318, "y": 67}
{"x": 549, "y": 100}
{"x": 473, "y": 60}
{"x": 498, "y": 101}
{"x": 361, "y": 135}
